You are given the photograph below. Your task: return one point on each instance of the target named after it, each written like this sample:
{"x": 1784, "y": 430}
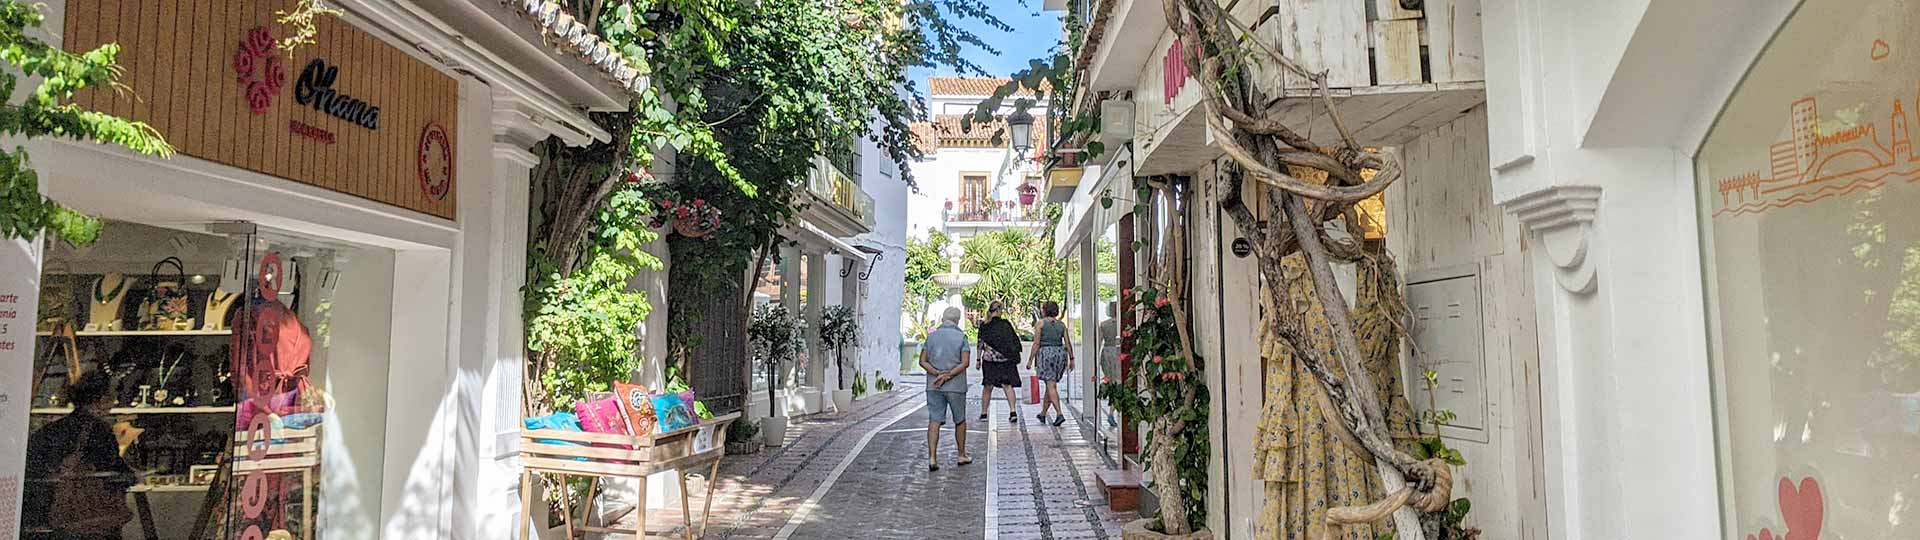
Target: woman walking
{"x": 999, "y": 357}
{"x": 1051, "y": 359}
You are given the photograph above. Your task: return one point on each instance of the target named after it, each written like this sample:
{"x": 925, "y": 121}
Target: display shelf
{"x": 143, "y": 410}
{"x": 128, "y": 333}
{"x": 182, "y": 488}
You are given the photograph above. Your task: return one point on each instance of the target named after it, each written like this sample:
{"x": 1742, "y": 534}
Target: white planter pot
{"x": 773, "y": 430}
{"x": 842, "y": 400}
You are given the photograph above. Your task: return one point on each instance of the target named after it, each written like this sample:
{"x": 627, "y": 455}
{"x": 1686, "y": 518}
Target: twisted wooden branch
{"x": 1261, "y": 147}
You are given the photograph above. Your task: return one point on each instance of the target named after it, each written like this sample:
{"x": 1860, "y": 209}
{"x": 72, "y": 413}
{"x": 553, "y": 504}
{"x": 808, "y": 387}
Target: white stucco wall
{"x": 880, "y": 311}
{"x": 1595, "y": 110}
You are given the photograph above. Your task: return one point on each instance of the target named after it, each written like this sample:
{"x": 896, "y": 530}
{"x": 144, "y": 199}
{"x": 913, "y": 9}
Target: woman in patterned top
{"x": 1052, "y": 359}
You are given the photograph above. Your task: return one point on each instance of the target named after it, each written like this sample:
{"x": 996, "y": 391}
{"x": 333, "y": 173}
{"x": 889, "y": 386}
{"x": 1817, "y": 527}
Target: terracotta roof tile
{"x": 947, "y": 130}
{"x": 969, "y": 86}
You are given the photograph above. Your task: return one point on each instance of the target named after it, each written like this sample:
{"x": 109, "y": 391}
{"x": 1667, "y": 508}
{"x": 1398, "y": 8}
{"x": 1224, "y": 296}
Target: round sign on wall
{"x": 435, "y": 162}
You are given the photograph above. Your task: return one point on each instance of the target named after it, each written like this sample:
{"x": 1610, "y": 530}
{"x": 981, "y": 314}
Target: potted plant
{"x": 1028, "y": 193}
{"x": 692, "y": 219}
{"x": 774, "y": 335}
{"x": 839, "y": 328}
{"x": 743, "y": 437}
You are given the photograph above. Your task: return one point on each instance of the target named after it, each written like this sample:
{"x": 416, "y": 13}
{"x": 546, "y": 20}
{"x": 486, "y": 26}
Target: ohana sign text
{"x": 315, "y": 89}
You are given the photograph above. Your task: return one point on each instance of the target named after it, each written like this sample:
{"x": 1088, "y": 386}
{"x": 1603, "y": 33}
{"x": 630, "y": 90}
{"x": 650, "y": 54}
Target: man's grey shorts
{"x": 940, "y": 404}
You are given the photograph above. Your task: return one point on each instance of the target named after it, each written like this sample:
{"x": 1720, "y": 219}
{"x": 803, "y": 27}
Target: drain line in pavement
{"x": 992, "y": 511}
{"x": 813, "y": 501}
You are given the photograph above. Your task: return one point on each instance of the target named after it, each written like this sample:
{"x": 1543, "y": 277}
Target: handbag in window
{"x": 166, "y": 306}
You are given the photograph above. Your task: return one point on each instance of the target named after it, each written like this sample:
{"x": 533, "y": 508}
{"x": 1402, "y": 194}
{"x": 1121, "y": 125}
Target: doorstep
{"x": 1122, "y": 489}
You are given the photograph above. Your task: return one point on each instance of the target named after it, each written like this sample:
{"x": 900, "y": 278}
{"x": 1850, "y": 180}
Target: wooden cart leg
{"x": 526, "y": 506}
{"x": 307, "y": 503}
{"x": 146, "y": 515}
{"x": 706, "y": 507}
{"x": 586, "y": 507}
{"x": 640, "y": 511}
{"x": 686, "y": 513}
{"x": 566, "y": 505}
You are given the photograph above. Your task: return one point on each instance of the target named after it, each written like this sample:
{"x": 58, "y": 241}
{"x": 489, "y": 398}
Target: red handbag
{"x": 83, "y": 499}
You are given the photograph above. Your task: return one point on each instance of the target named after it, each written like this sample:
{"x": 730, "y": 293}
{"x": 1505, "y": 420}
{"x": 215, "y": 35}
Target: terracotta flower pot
{"x": 689, "y": 228}
{"x": 1137, "y": 530}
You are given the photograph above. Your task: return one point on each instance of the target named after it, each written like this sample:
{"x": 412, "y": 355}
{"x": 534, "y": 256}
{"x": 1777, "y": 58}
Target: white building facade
{"x": 1720, "y": 199}
{"x": 396, "y": 242}
{"x": 970, "y": 179}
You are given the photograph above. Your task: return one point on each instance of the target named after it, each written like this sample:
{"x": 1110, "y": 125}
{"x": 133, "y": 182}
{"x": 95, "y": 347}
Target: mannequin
{"x": 104, "y": 301}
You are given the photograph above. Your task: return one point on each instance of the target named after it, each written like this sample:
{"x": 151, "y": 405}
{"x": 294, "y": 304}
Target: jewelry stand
{"x": 103, "y": 305}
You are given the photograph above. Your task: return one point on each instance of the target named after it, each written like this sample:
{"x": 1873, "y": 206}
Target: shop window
{"x": 153, "y": 363}
{"x": 1809, "y": 201}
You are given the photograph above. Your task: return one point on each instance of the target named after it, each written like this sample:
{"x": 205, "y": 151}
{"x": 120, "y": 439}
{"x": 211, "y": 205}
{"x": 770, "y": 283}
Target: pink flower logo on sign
{"x": 259, "y": 71}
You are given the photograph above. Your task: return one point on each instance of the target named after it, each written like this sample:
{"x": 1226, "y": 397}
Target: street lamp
{"x": 1020, "y": 131}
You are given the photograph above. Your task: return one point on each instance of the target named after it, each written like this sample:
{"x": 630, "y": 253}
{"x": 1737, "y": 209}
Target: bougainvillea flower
{"x": 1162, "y": 302}
{"x": 1124, "y": 357}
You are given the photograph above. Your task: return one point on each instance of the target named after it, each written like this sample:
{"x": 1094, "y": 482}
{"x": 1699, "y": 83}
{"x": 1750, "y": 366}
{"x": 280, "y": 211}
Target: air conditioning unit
{"x": 1116, "y": 124}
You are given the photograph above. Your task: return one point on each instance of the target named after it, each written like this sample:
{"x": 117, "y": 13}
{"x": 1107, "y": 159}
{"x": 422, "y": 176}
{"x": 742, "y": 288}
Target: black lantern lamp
{"x": 1020, "y": 131}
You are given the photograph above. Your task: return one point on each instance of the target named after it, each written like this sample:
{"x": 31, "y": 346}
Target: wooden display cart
{"x": 289, "y": 451}
{"x": 598, "y": 455}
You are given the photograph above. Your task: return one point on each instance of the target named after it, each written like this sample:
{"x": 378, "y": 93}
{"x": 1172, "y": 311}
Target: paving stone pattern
{"x": 1044, "y": 478}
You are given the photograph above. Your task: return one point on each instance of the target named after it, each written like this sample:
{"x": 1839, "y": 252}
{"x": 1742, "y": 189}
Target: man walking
{"x": 945, "y": 358}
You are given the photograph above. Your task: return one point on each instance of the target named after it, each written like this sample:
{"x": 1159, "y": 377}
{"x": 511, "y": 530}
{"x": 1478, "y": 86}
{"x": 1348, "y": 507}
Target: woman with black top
{"x": 999, "y": 356}
{"x": 87, "y": 438}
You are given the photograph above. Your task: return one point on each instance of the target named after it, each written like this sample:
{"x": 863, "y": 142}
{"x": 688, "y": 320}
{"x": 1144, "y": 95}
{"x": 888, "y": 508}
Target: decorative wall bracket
{"x": 1561, "y": 219}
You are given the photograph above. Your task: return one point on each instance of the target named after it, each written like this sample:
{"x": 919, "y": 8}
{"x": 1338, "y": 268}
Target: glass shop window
{"x": 1809, "y": 202}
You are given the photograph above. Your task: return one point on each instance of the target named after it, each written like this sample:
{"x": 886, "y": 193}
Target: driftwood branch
{"x": 1265, "y": 149}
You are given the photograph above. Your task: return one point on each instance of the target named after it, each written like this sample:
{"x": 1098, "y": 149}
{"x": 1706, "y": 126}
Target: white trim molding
{"x": 1561, "y": 218}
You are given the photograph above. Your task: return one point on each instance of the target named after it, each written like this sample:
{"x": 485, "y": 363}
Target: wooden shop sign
{"x": 349, "y": 113}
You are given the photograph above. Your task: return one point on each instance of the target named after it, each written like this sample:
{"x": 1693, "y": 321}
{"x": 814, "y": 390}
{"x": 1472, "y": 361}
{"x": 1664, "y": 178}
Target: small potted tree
{"x": 840, "y": 328}
{"x": 774, "y": 335}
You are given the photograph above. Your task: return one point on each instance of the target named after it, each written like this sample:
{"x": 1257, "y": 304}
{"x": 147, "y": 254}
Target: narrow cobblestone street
{"x": 862, "y": 474}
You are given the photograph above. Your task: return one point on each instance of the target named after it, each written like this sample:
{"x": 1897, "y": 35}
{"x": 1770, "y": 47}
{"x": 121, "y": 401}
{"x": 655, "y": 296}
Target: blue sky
{"x": 1034, "y": 32}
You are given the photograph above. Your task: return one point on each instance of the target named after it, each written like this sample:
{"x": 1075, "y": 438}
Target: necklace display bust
{"x": 109, "y": 293}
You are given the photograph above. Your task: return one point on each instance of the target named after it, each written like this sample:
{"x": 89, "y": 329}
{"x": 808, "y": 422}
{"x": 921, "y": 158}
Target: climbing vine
{"x": 1166, "y": 388}
{"x": 48, "y": 111}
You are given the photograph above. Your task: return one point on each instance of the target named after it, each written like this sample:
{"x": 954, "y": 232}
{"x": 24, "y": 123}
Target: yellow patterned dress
{"x": 1297, "y": 453}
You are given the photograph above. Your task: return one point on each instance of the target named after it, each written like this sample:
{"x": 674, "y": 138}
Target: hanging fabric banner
{"x": 19, "y": 305}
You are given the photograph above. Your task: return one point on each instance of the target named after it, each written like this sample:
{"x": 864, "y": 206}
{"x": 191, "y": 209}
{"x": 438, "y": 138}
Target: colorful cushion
{"x": 673, "y": 411}
{"x": 637, "y": 404}
{"x": 600, "y": 413}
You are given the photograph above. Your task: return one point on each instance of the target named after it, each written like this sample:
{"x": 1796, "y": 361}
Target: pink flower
{"x": 259, "y": 41}
{"x": 243, "y": 63}
{"x": 699, "y": 202}
{"x": 259, "y": 97}
{"x": 1127, "y": 334}
{"x": 1161, "y": 302}
{"x": 276, "y": 74}
{"x": 1157, "y": 359}
{"x": 1126, "y": 292}
{"x": 1106, "y": 380}
{"x": 1124, "y": 357}
{"x": 666, "y": 203}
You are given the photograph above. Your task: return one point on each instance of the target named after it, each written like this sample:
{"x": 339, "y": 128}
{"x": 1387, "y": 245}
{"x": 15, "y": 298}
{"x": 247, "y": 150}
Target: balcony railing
{"x": 831, "y": 182}
{"x": 992, "y": 211}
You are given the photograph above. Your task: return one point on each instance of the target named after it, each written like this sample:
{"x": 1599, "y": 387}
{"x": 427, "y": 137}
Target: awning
{"x": 1083, "y": 216}
{"x": 806, "y": 233}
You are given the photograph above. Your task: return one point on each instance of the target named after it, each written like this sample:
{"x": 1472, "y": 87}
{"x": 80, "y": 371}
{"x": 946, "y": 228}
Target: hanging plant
{"x": 692, "y": 219}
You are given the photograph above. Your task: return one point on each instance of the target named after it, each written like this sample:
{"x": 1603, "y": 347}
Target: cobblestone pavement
{"x": 815, "y": 487}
